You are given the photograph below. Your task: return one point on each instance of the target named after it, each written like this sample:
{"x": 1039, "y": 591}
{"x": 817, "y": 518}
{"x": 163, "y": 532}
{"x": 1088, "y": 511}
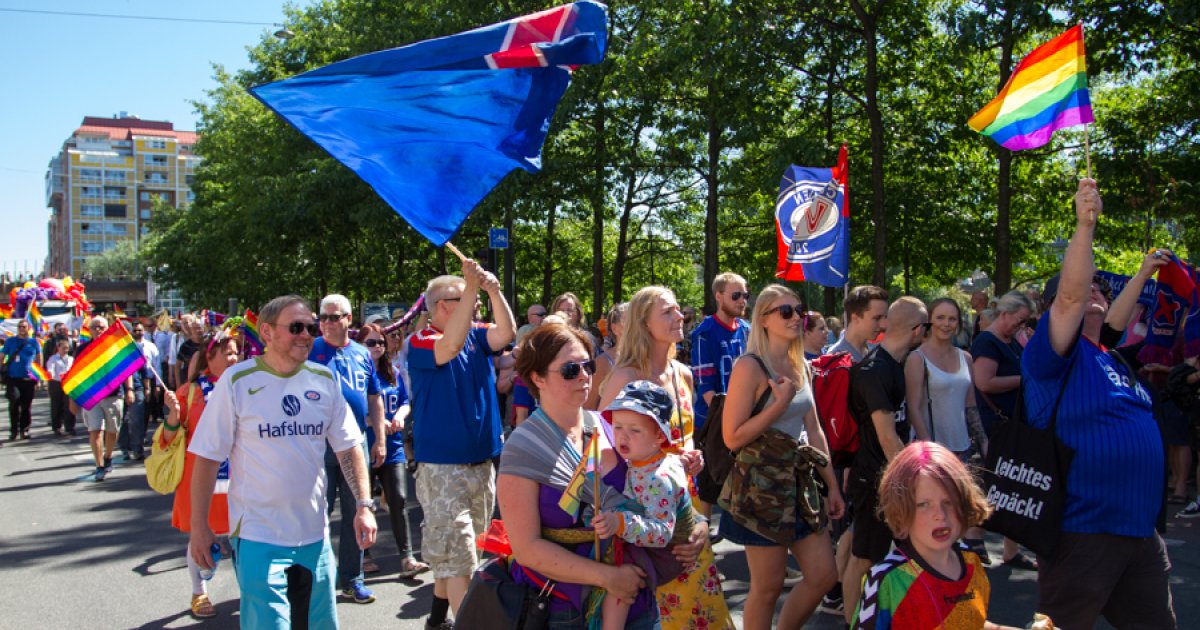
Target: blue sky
{"x": 58, "y": 69}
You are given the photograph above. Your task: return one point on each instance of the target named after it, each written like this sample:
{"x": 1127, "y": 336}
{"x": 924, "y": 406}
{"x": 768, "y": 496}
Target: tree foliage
{"x": 663, "y": 162}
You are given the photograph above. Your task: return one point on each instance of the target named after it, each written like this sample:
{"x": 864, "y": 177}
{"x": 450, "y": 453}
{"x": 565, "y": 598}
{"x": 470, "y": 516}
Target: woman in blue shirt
{"x": 20, "y": 353}
{"x": 391, "y": 474}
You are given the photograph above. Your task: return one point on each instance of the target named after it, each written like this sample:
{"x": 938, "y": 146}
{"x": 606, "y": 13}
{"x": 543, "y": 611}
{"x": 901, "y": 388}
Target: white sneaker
{"x": 793, "y": 576}
{"x": 1191, "y": 510}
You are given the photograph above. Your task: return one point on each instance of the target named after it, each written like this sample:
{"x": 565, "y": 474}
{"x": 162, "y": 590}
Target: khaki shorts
{"x": 106, "y": 415}
{"x": 457, "y": 500}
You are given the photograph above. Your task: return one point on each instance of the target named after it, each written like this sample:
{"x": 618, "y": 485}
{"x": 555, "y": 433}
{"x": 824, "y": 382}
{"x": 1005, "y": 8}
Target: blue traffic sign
{"x": 498, "y": 238}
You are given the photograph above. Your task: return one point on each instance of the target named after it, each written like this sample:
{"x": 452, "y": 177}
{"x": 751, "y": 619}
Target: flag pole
{"x": 1087, "y": 149}
{"x": 454, "y": 250}
{"x": 595, "y": 455}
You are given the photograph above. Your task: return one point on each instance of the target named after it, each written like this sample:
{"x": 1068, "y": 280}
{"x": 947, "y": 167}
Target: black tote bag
{"x": 1025, "y": 478}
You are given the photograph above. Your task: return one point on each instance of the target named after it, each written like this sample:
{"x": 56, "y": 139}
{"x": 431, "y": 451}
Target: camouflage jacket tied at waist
{"x": 773, "y": 483}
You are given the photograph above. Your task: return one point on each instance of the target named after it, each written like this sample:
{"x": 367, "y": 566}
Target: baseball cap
{"x": 648, "y": 399}
{"x": 375, "y": 319}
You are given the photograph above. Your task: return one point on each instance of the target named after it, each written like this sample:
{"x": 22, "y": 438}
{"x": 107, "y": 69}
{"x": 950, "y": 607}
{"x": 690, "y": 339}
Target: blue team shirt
{"x": 1115, "y": 484}
{"x": 355, "y": 371}
{"x": 21, "y": 353}
{"x": 456, "y": 416}
{"x": 394, "y": 397}
{"x": 714, "y": 349}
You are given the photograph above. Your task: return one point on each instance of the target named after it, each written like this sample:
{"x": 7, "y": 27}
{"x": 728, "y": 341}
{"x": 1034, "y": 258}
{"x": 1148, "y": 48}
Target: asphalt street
{"x": 80, "y": 554}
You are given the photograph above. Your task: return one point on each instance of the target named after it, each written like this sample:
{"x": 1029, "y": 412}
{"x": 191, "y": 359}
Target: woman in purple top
{"x": 536, "y": 465}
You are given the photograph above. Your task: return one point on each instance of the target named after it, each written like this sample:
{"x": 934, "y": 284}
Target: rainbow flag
{"x": 1048, "y": 91}
{"x": 102, "y": 366}
{"x": 118, "y": 313}
{"x": 250, "y": 329}
{"x": 5, "y": 311}
{"x": 38, "y": 372}
{"x": 570, "y": 501}
{"x": 36, "y": 323}
{"x": 85, "y": 334}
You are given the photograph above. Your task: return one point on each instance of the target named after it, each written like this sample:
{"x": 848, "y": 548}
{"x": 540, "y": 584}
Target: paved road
{"x": 79, "y": 554}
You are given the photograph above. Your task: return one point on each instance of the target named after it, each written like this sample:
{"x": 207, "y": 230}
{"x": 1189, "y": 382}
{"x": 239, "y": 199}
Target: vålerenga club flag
{"x": 812, "y": 224}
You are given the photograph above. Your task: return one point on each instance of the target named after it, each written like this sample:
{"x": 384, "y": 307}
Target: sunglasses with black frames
{"x": 571, "y": 371}
{"x": 372, "y": 343}
{"x": 787, "y": 311}
{"x": 296, "y": 328}
{"x": 330, "y": 317}
{"x": 739, "y": 295}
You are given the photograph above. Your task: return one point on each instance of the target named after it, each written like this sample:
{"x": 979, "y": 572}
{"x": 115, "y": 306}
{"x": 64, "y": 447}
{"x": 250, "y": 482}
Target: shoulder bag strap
{"x": 928, "y": 398}
{"x": 762, "y": 400}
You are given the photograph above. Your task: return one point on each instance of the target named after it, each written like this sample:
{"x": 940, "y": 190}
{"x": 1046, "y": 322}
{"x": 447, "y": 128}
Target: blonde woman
{"x": 653, "y": 325}
{"x": 770, "y": 420}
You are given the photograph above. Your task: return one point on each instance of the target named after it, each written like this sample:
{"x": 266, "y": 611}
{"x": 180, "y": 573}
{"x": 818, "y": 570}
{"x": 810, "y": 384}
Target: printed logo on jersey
{"x": 311, "y": 395}
{"x": 291, "y": 405}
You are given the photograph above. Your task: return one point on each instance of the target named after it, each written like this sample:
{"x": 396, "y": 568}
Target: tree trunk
{"x": 712, "y": 177}
{"x": 1002, "y": 277}
{"x": 598, "y": 198}
{"x": 548, "y": 257}
{"x": 621, "y": 253}
{"x": 875, "y": 118}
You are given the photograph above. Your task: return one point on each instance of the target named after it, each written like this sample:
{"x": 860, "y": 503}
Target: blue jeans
{"x": 349, "y": 556}
{"x": 132, "y": 437}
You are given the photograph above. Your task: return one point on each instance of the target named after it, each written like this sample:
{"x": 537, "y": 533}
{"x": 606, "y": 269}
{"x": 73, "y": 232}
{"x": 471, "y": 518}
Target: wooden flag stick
{"x": 454, "y": 250}
{"x": 1087, "y": 150}
{"x": 595, "y": 455}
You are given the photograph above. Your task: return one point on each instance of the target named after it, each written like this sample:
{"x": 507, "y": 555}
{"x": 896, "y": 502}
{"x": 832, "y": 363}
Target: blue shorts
{"x": 735, "y": 532}
{"x": 279, "y": 582}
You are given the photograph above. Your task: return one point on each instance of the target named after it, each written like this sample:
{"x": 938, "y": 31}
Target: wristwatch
{"x": 367, "y": 503}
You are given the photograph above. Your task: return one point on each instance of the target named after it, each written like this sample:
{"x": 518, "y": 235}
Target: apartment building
{"x": 101, "y": 187}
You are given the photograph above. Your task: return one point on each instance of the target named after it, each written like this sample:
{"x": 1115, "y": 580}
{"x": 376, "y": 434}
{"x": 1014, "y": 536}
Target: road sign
{"x": 498, "y": 238}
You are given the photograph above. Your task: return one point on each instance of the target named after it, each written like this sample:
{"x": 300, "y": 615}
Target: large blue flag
{"x": 812, "y": 224}
{"x": 434, "y": 126}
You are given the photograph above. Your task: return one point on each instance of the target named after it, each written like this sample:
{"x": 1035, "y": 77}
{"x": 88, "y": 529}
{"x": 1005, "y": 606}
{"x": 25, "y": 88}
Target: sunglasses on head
{"x": 330, "y": 317}
{"x": 296, "y": 328}
{"x": 739, "y": 295}
{"x": 787, "y": 311}
{"x": 375, "y": 343}
{"x": 570, "y": 371}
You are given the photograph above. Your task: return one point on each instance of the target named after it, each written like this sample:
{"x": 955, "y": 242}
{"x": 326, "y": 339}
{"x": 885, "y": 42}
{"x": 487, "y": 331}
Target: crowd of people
{"x": 495, "y": 421}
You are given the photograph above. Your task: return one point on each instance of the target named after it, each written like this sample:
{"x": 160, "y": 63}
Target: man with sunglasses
{"x": 715, "y": 344}
{"x": 103, "y": 421}
{"x": 456, "y": 426}
{"x": 877, "y": 392}
{"x": 272, "y": 418}
{"x": 352, "y": 364}
{"x": 534, "y": 315}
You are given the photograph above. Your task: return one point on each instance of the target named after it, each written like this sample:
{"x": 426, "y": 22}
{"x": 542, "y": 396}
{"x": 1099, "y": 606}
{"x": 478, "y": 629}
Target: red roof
{"x": 127, "y": 133}
{"x": 126, "y": 123}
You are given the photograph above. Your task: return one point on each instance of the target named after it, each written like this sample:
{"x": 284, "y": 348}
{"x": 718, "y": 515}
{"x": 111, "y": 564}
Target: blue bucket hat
{"x": 648, "y": 399}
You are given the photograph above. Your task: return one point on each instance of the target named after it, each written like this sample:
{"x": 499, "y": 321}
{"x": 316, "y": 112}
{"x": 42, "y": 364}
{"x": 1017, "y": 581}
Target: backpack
{"x": 831, "y": 391}
{"x": 718, "y": 459}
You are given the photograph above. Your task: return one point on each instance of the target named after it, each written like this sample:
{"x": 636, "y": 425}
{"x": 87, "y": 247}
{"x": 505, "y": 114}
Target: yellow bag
{"x": 164, "y": 467}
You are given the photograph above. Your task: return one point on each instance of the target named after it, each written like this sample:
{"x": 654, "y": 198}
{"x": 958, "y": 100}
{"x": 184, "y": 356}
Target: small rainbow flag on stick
{"x": 102, "y": 366}
{"x": 38, "y": 372}
{"x": 571, "y": 500}
{"x": 250, "y": 328}
{"x": 1048, "y": 91}
{"x": 85, "y": 334}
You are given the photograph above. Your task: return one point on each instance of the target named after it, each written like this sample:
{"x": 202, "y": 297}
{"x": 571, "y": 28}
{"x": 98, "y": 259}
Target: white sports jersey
{"x": 273, "y": 428}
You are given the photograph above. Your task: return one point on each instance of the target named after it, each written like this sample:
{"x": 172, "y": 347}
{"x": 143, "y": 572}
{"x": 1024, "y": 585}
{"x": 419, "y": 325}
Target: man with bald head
{"x": 876, "y": 398}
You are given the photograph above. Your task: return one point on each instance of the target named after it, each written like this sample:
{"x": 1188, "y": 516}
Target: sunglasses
{"x": 787, "y": 311}
{"x": 375, "y": 343}
{"x": 296, "y": 328}
{"x": 739, "y": 295}
{"x": 330, "y": 317}
{"x": 541, "y": 314}
{"x": 570, "y": 371}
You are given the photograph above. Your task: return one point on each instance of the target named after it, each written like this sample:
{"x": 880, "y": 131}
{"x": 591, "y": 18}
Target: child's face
{"x": 62, "y": 348}
{"x": 935, "y": 525}
{"x": 636, "y": 437}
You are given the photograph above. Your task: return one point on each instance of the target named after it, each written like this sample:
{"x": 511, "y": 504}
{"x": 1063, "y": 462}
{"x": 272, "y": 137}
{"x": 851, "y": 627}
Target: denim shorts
{"x": 570, "y": 619}
{"x": 735, "y": 532}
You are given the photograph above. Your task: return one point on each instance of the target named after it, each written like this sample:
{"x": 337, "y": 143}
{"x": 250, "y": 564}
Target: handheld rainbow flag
{"x": 118, "y": 313}
{"x": 38, "y": 372}
{"x": 85, "y": 335}
{"x": 34, "y": 317}
{"x": 102, "y": 366}
{"x": 1048, "y": 91}
{"x": 250, "y": 329}
{"x": 571, "y": 499}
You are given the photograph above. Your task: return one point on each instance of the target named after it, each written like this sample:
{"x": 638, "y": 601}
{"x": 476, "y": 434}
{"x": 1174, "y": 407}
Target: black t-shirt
{"x": 184, "y": 356}
{"x": 1008, "y": 363}
{"x": 876, "y": 384}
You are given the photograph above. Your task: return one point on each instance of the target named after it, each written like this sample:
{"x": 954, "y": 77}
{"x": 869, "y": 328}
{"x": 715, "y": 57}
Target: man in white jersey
{"x": 272, "y": 416}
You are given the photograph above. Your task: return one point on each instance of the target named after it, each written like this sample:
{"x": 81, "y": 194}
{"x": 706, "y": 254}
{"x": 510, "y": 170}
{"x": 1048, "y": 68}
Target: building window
{"x": 114, "y": 210}
{"x": 190, "y": 180}
{"x": 191, "y": 196}
{"x": 156, "y": 178}
{"x": 115, "y": 176}
{"x": 89, "y": 228}
{"x": 113, "y": 192}
{"x": 156, "y": 160}
{"x": 116, "y": 228}
{"x": 91, "y": 210}
{"x": 91, "y": 247}
{"x": 89, "y": 174}
{"x": 144, "y": 196}
{"x": 91, "y": 191}
{"x": 156, "y": 143}
{"x": 145, "y": 230}
{"x": 145, "y": 214}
